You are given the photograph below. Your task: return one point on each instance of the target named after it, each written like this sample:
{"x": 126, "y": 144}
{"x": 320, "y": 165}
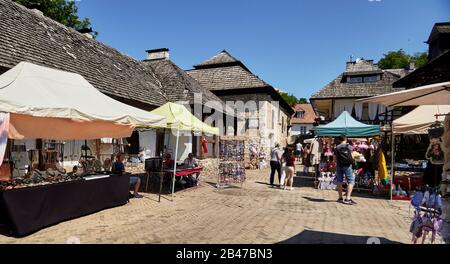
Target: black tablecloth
{"x": 30, "y": 209}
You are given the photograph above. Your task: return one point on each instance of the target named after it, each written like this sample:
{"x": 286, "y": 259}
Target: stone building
{"x": 236, "y": 85}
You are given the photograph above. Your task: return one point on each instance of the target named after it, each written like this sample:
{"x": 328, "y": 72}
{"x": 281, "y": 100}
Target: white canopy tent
{"x": 434, "y": 94}
{"x": 420, "y": 119}
{"x": 54, "y": 104}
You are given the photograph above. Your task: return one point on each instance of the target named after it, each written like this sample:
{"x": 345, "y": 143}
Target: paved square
{"x": 253, "y": 214}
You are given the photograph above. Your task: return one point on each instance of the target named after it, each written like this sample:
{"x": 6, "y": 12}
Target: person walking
{"x": 275, "y": 164}
{"x": 306, "y": 160}
{"x": 299, "y": 150}
{"x": 289, "y": 159}
{"x": 344, "y": 168}
{"x": 315, "y": 155}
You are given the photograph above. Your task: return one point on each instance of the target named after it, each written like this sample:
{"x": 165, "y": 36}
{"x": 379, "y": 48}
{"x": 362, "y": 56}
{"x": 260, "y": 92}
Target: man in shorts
{"x": 119, "y": 168}
{"x": 344, "y": 168}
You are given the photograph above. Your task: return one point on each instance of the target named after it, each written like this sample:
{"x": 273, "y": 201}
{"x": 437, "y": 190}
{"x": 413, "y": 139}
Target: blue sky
{"x": 295, "y": 45}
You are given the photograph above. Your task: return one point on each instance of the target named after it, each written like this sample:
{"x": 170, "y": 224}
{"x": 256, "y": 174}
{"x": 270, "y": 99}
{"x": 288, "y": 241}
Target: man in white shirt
{"x": 275, "y": 164}
{"x": 299, "y": 151}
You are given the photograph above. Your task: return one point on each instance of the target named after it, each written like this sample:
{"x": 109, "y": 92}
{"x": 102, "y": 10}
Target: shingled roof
{"x": 26, "y": 35}
{"x": 225, "y": 74}
{"x": 227, "y": 78}
{"x": 339, "y": 88}
{"x": 177, "y": 84}
{"x": 309, "y": 116}
{"x": 439, "y": 28}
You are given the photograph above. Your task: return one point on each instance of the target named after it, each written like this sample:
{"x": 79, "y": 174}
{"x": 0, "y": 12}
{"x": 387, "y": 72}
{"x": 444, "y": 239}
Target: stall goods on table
{"x": 37, "y": 178}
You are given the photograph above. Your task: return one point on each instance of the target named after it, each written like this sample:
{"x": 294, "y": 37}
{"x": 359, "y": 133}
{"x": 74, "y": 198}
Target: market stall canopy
{"x": 54, "y": 104}
{"x": 346, "y": 125}
{"x": 180, "y": 118}
{"x": 420, "y": 119}
{"x": 434, "y": 94}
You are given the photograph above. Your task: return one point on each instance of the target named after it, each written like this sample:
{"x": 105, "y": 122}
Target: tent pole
{"x": 175, "y": 163}
{"x": 392, "y": 157}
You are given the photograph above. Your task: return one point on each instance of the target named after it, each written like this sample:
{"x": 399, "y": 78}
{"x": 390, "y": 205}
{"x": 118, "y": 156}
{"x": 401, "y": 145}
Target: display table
{"x": 28, "y": 210}
{"x": 179, "y": 173}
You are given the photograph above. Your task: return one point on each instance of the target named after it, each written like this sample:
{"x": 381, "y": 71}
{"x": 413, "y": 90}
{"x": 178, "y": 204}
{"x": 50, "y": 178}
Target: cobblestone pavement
{"x": 252, "y": 214}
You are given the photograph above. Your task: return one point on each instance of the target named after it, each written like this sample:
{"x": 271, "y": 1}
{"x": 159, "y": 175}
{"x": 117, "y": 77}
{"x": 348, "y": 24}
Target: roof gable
{"x": 222, "y": 59}
{"x": 28, "y": 36}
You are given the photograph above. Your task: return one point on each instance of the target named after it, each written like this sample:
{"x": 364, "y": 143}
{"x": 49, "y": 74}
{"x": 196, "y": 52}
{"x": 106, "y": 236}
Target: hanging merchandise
{"x": 427, "y": 215}
{"x": 446, "y": 141}
{"x": 4, "y": 130}
{"x": 204, "y": 143}
{"x": 382, "y": 168}
{"x": 435, "y": 152}
{"x": 232, "y": 165}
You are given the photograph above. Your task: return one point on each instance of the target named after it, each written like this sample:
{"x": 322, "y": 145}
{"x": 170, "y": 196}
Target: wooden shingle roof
{"x": 28, "y": 36}
{"x": 227, "y": 78}
{"x": 221, "y": 58}
{"x": 339, "y": 88}
{"x": 178, "y": 85}
{"x": 309, "y": 116}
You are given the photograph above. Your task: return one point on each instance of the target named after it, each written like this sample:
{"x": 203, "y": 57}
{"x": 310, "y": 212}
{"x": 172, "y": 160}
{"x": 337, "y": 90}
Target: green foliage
{"x": 420, "y": 59}
{"x": 63, "y": 11}
{"x": 399, "y": 59}
{"x": 292, "y": 100}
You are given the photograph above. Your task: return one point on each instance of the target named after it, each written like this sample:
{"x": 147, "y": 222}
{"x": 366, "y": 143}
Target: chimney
{"x": 158, "y": 54}
{"x": 412, "y": 66}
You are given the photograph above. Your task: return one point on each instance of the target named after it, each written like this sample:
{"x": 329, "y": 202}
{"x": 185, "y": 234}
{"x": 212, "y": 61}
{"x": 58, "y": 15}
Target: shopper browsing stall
{"x": 119, "y": 168}
{"x": 344, "y": 168}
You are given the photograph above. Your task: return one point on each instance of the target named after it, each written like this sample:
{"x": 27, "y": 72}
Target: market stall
{"x": 346, "y": 125}
{"x": 179, "y": 119}
{"x": 432, "y": 212}
{"x": 418, "y": 122}
{"x": 232, "y": 162}
{"x": 42, "y": 103}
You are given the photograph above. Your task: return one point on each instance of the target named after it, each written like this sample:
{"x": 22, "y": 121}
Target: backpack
{"x": 344, "y": 155}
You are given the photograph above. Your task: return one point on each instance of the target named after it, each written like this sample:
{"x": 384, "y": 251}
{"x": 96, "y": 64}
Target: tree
{"x": 420, "y": 59}
{"x": 399, "y": 59}
{"x": 293, "y": 100}
{"x": 63, "y": 11}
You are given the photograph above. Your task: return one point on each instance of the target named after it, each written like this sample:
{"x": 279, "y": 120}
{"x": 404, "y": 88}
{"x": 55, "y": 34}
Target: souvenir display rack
{"x": 231, "y": 164}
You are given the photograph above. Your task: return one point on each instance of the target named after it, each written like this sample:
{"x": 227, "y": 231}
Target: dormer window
{"x": 300, "y": 114}
{"x": 354, "y": 79}
{"x": 363, "y": 79}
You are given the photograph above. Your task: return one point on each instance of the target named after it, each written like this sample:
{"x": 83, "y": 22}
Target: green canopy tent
{"x": 346, "y": 125}
{"x": 179, "y": 118}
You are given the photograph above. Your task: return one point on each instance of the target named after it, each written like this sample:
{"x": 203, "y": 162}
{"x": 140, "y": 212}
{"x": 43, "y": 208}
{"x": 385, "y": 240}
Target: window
{"x": 363, "y": 79}
{"x": 371, "y": 78}
{"x": 354, "y": 79}
{"x": 282, "y": 124}
{"x": 303, "y": 130}
{"x": 300, "y": 114}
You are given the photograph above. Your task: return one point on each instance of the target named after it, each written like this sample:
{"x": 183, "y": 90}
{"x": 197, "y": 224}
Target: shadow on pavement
{"x": 317, "y": 237}
{"x": 318, "y": 200}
